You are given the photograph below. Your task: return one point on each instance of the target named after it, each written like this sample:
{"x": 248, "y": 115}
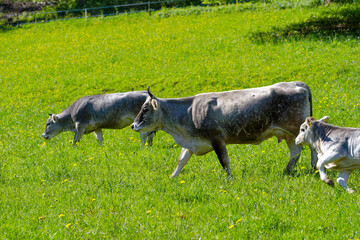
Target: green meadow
{"x": 49, "y": 190}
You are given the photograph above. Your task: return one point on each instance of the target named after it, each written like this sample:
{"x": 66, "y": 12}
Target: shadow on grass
{"x": 7, "y": 28}
{"x": 327, "y": 24}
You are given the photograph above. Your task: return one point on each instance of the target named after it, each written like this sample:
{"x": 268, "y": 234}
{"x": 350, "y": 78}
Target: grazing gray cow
{"x": 94, "y": 113}
{"x": 338, "y": 148}
{"x": 210, "y": 121}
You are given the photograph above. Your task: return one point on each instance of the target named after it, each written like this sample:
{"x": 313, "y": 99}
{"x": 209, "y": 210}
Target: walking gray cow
{"x": 96, "y": 112}
{"x": 338, "y": 148}
{"x": 210, "y": 121}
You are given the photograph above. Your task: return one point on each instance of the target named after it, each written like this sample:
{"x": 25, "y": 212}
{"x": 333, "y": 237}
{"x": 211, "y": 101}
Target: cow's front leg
{"x": 295, "y": 151}
{"x": 183, "y": 159}
{"x": 222, "y": 154}
{"x": 150, "y": 137}
{"x": 99, "y": 136}
{"x": 323, "y": 160}
{"x": 143, "y": 136}
{"x": 342, "y": 180}
{"x": 79, "y": 132}
{"x": 314, "y": 157}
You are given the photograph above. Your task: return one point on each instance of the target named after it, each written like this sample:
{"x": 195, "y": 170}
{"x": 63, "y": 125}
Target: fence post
{"x": 85, "y": 14}
{"x": 149, "y": 7}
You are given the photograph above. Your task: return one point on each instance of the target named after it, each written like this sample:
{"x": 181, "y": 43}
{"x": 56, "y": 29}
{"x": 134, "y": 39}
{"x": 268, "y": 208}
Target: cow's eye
{"x": 146, "y": 109}
{"x": 302, "y": 129}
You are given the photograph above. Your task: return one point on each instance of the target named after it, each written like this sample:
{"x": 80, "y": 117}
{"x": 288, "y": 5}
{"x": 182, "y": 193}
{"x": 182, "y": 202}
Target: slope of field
{"x": 48, "y": 189}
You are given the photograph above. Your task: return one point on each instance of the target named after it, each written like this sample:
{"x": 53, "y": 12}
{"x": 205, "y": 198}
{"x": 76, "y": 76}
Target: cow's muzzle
{"x": 298, "y": 141}
{"x": 45, "y": 136}
{"x": 135, "y": 127}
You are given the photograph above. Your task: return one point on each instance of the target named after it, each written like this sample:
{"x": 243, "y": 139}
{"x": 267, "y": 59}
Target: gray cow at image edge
{"x": 96, "y": 112}
{"x": 210, "y": 121}
{"x": 338, "y": 148}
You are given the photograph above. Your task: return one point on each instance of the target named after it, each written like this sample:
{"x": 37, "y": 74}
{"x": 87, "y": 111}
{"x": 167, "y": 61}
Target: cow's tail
{"x": 310, "y": 100}
{"x": 305, "y": 86}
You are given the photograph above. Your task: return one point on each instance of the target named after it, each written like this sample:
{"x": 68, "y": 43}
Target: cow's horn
{"x": 150, "y": 94}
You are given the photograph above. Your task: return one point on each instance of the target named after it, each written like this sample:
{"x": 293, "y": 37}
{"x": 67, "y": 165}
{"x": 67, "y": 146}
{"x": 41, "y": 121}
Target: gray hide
{"x": 210, "y": 121}
{"x": 338, "y": 148}
{"x": 94, "y": 113}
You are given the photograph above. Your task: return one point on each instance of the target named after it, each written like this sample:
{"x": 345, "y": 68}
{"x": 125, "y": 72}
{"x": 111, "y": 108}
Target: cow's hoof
{"x": 349, "y": 190}
{"x": 329, "y": 182}
{"x": 173, "y": 176}
{"x": 286, "y": 172}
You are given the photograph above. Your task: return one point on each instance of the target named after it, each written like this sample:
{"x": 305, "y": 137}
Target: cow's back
{"x": 115, "y": 110}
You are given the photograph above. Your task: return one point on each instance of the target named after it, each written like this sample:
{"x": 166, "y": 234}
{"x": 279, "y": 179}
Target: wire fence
{"x": 40, "y": 16}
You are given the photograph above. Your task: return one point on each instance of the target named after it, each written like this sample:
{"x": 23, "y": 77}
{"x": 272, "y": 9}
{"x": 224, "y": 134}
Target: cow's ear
{"x": 150, "y": 93}
{"x": 54, "y": 117}
{"x": 154, "y": 103}
{"x": 325, "y": 119}
{"x": 309, "y": 122}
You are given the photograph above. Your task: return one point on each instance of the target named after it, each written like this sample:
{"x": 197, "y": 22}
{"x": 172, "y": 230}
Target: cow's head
{"x": 52, "y": 127}
{"x": 306, "y": 135}
{"x": 149, "y": 117}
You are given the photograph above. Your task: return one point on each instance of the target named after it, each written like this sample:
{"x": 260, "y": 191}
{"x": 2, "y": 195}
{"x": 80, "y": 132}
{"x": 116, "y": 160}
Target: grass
{"x": 120, "y": 190}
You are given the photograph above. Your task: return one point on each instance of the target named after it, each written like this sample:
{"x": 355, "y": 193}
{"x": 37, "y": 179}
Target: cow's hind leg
{"x": 222, "y": 154}
{"x": 342, "y": 180}
{"x": 99, "y": 136}
{"x": 295, "y": 151}
{"x": 183, "y": 159}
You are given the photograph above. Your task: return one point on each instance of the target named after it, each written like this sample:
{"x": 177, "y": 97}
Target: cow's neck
{"x": 321, "y": 135}
{"x": 66, "y": 121}
{"x": 176, "y": 118}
